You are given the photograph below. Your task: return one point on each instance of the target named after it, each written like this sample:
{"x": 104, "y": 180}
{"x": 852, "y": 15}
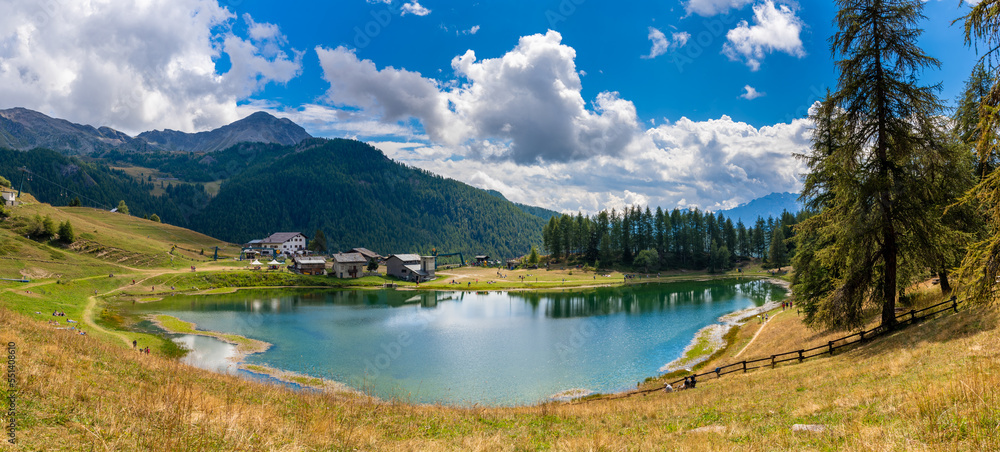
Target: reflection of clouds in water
{"x": 417, "y": 316}
{"x": 208, "y": 353}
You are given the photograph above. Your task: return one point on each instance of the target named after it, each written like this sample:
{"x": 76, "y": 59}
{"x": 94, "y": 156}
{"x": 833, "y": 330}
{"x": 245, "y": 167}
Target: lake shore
{"x": 245, "y": 347}
{"x": 711, "y": 339}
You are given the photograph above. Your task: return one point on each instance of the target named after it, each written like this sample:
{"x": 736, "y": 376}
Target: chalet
{"x": 285, "y": 242}
{"x": 309, "y": 265}
{"x": 348, "y": 265}
{"x": 9, "y": 198}
{"x": 367, "y": 253}
{"x": 410, "y": 267}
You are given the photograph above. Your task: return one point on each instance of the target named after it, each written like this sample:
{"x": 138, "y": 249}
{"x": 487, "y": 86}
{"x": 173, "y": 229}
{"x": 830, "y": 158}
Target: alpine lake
{"x": 465, "y": 348}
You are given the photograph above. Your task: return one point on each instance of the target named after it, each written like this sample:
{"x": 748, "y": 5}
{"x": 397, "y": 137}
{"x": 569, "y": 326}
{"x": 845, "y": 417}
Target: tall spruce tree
{"x": 981, "y": 266}
{"x": 875, "y": 181}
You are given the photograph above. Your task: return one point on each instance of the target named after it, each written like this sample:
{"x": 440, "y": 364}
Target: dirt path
{"x": 745, "y": 347}
{"x": 88, "y": 311}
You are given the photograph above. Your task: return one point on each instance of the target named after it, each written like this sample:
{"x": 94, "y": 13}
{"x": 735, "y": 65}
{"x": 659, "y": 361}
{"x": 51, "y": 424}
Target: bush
{"x": 4, "y": 182}
{"x": 155, "y": 218}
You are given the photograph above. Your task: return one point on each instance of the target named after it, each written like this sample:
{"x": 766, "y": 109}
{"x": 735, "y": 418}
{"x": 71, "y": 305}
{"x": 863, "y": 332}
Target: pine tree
{"x": 66, "y": 234}
{"x": 778, "y": 254}
{"x": 981, "y": 265}
{"x": 49, "y": 227}
{"x": 533, "y": 256}
{"x": 877, "y": 183}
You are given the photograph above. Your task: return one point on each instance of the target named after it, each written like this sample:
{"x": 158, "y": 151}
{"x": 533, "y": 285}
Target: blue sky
{"x": 610, "y": 39}
{"x": 571, "y": 104}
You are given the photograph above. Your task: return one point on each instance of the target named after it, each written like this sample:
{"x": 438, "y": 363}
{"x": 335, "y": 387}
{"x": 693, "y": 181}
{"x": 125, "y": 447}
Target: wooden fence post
{"x": 800, "y": 355}
{"x": 772, "y": 361}
{"x": 913, "y": 314}
{"x": 862, "y": 336}
{"x": 744, "y": 366}
{"x": 831, "y": 348}
{"x": 954, "y": 303}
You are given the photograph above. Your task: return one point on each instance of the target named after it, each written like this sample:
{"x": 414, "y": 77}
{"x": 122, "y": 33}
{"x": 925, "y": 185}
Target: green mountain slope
{"x": 359, "y": 197}
{"x": 58, "y": 179}
{"x": 348, "y": 189}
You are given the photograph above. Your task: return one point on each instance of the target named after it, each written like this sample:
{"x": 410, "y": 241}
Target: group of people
{"x": 135, "y": 345}
{"x": 786, "y": 304}
{"x": 58, "y": 314}
{"x": 689, "y": 383}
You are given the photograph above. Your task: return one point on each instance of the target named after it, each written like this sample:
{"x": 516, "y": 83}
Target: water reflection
{"x": 208, "y": 353}
{"x": 636, "y": 299}
{"x": 456, "y": 347}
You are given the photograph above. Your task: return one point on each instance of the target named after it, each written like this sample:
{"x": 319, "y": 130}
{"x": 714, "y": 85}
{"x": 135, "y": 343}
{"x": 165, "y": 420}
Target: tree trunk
{"x": 889, "y": 284}
{"x": 945, "y": 285}
{"x": 891, "y": 247}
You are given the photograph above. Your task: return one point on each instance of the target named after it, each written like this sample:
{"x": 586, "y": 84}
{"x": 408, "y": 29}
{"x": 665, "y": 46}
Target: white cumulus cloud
{"x": 662, "y": 45}
{"x": 527, "y": 102}
{"x": 519, "y": 124}
{"x": 414, "y": 8}
{"x": 775, "y": 29}
{"x": 751, "y": 93}
{"x": 137, "y": 65}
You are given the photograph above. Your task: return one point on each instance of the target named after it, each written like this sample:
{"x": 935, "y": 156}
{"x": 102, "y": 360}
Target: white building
{"x": 9, "y": 198}
{"x": 285, "y": 242}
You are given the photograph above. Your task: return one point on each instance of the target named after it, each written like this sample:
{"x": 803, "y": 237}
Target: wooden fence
{"x": 904, "y": 319}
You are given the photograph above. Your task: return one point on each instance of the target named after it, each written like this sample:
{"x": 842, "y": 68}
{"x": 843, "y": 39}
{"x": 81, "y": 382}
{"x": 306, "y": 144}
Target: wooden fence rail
{"x": 801, "y": 355}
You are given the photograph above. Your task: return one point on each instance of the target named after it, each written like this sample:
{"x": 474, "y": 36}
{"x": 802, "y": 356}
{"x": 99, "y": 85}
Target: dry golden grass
{"x": 930, "y": 387}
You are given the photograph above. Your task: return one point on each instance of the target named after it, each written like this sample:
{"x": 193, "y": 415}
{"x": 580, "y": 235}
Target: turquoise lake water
{"x": 465, "y": 348}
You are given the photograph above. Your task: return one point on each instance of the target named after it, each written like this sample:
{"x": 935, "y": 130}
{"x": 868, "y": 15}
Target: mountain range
{"x": 24, "y": 129}
{"x": 771, "y": 205}
{"x": 262, "y": 174}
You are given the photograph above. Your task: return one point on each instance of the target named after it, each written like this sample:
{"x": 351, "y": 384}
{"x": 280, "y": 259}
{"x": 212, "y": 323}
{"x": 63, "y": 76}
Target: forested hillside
{"x": 347, "y": 189}
{"x": 359, "y": 197}
{"x": 60, "y": 180}
{"x": 689, "y": 239}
